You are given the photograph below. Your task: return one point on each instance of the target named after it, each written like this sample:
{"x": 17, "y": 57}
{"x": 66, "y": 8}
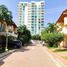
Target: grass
{"x": 60, "y": 50}
{"x": 56, "y": 49}
{"x": 52, "y": 48}
{"x": 65, "y": 57}
{"x": 2, "y": 50}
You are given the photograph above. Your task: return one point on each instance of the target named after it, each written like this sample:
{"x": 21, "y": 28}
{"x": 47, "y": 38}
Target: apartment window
{"x": 39, "y": 21}
{"x": 32, "y": 29}
{"x": 33, "y": 4}
{"x": 42, "y": 13}
{"x": 39, "y": 27}
{"x": 35, "y": 24}
{"x": 42, "y": 21}
{"x": 42, "y": 18}
{"x": 42, "y": 4}
{"x": 33, "y": 11}
{"x": 42, "y": 24}
{"x": 35, "y": 16}
{"x": 32, "y": 19}
{"x": 32, "y": 16}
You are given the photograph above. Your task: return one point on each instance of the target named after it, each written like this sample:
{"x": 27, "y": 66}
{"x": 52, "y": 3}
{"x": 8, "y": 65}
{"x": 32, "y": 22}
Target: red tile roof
{"x": 61, "y": 18}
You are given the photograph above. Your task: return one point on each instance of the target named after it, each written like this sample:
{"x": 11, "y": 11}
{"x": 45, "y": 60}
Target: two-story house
{"x": 7, "y": 30}
{"x": 10, "y": 29}
{"x": 62, "y": 26}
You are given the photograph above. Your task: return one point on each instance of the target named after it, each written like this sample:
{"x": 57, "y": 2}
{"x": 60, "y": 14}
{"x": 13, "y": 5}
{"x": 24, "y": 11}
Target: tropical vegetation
{"x": 51, "y": 36}
{"x": 5, "y": 14}
{"x": 24, "y": 34}
{"x": 36, "y": 37}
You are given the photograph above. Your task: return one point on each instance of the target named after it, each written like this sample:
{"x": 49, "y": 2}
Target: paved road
{"x": 31, "y": 56}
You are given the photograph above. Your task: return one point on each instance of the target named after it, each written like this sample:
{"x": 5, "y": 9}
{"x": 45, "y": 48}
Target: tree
{"x": 51, "y": 36}
{"x": 51, "y": 27}
{"x": 5, "y": 14}
{"x": 36, "y": 37}
{"x": 24, "y": 34}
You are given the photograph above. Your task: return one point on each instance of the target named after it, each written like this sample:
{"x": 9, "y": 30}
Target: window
{"x": 65, "y": 20}
{"x": 1, "y": 27}
{"x": 42, "y": 24}
{"x": 39, "y": 27}
{"x": 42, "y": 18}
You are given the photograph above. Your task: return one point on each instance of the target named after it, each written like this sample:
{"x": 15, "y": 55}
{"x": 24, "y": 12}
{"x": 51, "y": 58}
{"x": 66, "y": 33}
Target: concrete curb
{"x": 2, "y": 55}
{"x": 55, "y": 60}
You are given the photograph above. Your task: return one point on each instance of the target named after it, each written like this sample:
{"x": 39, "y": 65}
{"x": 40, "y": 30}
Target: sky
{"x": 53, "y": 9}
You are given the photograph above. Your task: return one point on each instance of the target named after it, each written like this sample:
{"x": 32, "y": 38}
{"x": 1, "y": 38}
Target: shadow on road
{"x": 3, "y": 57}
{"x": 31, "y": 44}
{"x": 1, "y": 63}
{"x": 22, "y": 49}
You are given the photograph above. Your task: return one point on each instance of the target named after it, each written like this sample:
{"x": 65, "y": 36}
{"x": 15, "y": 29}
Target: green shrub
{"x": 3, "y": 41}
{"x": 52, "y": 38}
{"x": 11, "y": 38}
{"x": 36, "y": 37}
{"x": 24, "y": 34}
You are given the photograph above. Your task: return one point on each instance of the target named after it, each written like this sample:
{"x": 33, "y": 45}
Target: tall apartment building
{"x": 32, "y": 15}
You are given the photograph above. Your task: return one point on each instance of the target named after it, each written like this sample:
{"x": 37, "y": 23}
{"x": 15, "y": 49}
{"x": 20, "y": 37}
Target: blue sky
{"x": 53, "y": 8}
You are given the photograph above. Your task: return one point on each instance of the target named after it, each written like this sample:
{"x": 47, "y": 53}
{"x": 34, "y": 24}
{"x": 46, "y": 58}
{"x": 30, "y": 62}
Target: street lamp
{"x": 6, "y": 48}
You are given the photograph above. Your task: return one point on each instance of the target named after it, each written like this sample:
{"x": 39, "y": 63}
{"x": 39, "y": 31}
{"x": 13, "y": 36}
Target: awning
{"x": 8, "y": 34}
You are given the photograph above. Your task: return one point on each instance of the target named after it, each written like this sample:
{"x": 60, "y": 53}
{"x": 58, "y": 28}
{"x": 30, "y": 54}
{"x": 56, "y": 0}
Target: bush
{"x": 25, "y": 37}
{"x": 24, "y": 34}
{"x": 52, "y": 38}
{"x": 3, "y": 41}
{"x": 11, "y": 38}
{"x": 36, "y": 37}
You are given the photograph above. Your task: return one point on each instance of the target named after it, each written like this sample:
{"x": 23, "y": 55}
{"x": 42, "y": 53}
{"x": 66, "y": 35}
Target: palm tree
{"x": 52, "y": 27}
{"x": 21, "y": 29}
{"x": 5, "y": 14}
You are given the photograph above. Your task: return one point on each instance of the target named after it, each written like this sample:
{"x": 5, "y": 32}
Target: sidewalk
{"x": 58, "y": 57}
{"x": 2, "y": 55}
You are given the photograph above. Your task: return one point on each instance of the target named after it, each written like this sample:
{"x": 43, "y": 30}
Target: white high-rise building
{"x": 32, "y": 15}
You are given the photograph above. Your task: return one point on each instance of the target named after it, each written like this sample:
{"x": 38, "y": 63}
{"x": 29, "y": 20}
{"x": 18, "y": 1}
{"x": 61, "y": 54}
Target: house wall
{"x": 62, "y": 27}
{"x": 14, "y": 29}
{"x": 65, "y": 40}
{"x": 65, "y": 31}
{"x": 3, "y": 26}
{"x": 7, "y": 28}
{"x": 10, "y": 28}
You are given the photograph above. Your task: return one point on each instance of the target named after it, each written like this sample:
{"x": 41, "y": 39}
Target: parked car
{"x": 15, "y": 44}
